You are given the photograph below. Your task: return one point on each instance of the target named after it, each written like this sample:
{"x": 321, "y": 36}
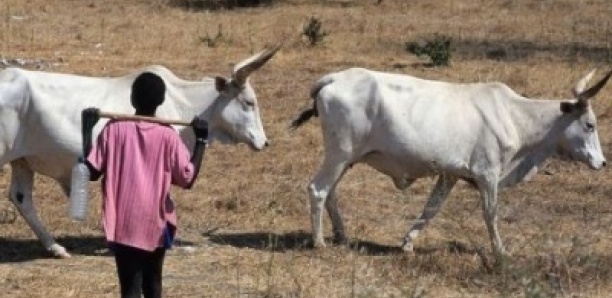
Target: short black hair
{"x": 148, "y": 92}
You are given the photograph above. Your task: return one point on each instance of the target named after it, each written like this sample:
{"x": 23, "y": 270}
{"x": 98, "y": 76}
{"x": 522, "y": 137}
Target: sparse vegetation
{"x": 212, "y": 41}
{"x": 556, "y": 227}
{"x": 438, "y": 49}
{"x": 313, "y": 31}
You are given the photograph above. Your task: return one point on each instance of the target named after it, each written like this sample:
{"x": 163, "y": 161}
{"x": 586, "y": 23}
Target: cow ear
{"x": 567, "y": 107}
{"x": 570, "y": 107}
{"x": 221, "y": 84}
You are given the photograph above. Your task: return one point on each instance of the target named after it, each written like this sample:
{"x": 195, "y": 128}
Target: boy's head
{"x": 148, "y": 92}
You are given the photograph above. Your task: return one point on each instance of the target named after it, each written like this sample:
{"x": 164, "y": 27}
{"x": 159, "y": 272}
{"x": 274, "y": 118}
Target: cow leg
{"x": 331, "y": 204}
{"x": 20, "y": 193}
{"x": 320, "y": 189}
{"x": 488, "y": 193}
{"x": 440, "y": 192}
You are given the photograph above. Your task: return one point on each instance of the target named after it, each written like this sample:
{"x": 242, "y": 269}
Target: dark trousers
{"x": 140, "y": 271}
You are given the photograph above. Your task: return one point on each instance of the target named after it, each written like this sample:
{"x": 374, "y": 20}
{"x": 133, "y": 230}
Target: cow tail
{"x": 311, "y": 112}
{"x": 303, "y": 117}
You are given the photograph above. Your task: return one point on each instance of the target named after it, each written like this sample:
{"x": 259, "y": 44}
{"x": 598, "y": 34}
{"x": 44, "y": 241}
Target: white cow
{"x": 40, "y": 124}
{"x": 408, "y": 128}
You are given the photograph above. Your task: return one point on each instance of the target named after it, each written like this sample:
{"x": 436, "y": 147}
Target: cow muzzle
{"x": 259, "y": 146}
{"x": 598, "y": 164}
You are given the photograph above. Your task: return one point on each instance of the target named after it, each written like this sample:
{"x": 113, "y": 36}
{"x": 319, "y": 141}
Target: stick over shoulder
{"x": 118, "y": 116}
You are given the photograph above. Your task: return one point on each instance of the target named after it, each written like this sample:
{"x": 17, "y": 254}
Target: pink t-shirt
{"x": 139, "y": 161}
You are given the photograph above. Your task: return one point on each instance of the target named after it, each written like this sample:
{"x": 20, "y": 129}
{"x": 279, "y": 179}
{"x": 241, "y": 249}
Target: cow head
{"x": 237, "y": 118}
{"x": 580, "y": 140}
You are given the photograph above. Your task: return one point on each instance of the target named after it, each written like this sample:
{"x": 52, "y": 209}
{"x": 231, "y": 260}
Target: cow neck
{"x": 196, "y": 98}
{"x": 539, "y": 125}
{"x": 539, "y": 122}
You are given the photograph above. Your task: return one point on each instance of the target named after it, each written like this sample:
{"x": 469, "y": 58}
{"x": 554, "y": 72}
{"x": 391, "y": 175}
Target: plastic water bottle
{"x": 79, "y": 192}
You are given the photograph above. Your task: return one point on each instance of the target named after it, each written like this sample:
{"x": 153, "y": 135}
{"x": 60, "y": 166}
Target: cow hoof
{"x": 407, "y": 247}
{"x": 59, "y": 251}
{"x": 319, "y": 244}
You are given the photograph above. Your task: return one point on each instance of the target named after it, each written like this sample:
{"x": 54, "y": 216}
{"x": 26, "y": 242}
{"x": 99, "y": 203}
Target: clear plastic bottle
{"x": 79, "y": 191}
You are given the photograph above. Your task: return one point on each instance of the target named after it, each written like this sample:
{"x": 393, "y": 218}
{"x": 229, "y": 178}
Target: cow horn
{"x": 248, "y": 66}
{"x": 583, "y": 83}
{"x": 584, "y": 95}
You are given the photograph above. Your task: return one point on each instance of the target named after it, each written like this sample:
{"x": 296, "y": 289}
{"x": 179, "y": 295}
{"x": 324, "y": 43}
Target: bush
{"x": 212, "y": 41}
{"x": 314, "y": 32}
{"x": 438, "y": 49}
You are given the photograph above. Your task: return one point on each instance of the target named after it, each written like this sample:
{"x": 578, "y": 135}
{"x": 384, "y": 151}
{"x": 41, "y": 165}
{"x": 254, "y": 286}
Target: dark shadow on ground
{"x": 515, "y": 50}
{"x": 198, "y": 5}
{"x": 375, "y": 249}
{"x": 264, "y": 241}
{"x": 301, "y": 240}
{"x": 509, "y": 50}
{"x": 23, "y": 250}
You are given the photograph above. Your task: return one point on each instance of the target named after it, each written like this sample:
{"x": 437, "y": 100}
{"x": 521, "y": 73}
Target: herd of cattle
{"x": 402, "y": 126}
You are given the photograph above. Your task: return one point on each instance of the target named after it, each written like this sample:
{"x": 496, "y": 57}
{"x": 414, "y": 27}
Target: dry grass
{"x": 248, "y": 215}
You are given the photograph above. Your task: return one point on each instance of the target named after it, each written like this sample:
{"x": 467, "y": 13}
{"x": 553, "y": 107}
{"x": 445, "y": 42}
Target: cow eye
{"x": 249, "y": 103}
{"x": 590, "y": 127}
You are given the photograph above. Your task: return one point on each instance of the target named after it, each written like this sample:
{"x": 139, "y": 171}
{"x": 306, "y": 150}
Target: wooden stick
{"x": 117, "y": 116}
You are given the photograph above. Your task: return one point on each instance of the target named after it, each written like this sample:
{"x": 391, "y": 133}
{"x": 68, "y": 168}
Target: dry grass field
{"x": 248, "y": 216}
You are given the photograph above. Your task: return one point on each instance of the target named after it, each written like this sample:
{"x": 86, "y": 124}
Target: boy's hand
{"x": 90, "y": 116}
{"x": 200, "y": 128}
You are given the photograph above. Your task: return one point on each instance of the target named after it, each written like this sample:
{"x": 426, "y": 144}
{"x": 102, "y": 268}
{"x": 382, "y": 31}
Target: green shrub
{"x": 314, "y": 32}
{"x": 438, "y": 49}
{"x": 212, "y": 41}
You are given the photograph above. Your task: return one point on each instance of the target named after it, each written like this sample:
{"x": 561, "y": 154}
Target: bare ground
{"x": 248, "y": 216}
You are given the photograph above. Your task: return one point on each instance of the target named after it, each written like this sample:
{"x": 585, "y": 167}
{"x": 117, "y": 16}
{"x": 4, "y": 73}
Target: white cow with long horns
{"x": 40, "y": 120}
{"x": 408, "y": 128}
